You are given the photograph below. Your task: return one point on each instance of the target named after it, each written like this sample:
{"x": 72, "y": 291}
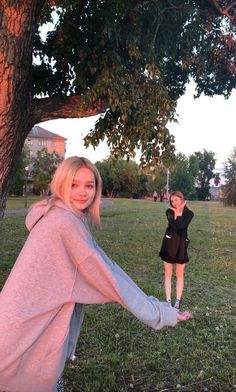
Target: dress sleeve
{"x": 181, "y": 222}
{"x": 111, "y": 281}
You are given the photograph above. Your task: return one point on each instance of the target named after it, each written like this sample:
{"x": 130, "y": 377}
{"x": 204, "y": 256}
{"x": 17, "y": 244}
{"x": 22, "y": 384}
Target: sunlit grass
{"x": 116, "y": 353}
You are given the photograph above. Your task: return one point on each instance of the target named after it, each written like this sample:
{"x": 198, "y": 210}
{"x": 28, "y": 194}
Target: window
{"x": 42, "y": 143}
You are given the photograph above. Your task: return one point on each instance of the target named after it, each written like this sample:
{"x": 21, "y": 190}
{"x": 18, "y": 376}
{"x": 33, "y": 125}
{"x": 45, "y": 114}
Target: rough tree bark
{"x": 19, "y": 111}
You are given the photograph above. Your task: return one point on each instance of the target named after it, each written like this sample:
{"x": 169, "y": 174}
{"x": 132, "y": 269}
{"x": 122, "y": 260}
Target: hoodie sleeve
{"x": 108, "y": 278}
{"x": 104, "y": 276}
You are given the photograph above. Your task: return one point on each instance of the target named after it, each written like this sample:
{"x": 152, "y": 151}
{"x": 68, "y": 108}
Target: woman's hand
{"x": 178, "y": 211}
{"x": 181, "y": 208}
{"x": 183, "y": 316}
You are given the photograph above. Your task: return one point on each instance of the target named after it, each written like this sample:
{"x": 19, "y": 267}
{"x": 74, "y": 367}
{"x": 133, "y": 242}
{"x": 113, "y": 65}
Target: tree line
{"x": 193, "y": 175}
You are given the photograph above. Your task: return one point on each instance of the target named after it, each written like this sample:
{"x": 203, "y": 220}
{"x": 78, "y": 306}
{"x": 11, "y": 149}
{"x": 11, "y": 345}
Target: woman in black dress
{"x": 175, "y": 243}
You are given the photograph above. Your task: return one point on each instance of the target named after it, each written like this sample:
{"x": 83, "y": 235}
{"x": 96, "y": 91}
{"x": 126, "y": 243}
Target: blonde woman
{"x": 59, "y": 270}
{"x": 175, "y": 243}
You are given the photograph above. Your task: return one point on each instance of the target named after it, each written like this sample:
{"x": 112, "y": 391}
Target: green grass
{"x": 18, "y": 203}
{"x": 117, "y": 353}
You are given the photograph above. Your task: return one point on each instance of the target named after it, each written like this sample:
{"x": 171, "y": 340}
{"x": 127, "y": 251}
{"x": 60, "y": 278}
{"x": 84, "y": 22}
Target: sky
{"x": 203, "y": 123}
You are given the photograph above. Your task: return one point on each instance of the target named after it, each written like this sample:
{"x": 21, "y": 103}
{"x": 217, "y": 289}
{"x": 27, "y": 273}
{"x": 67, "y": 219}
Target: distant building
{"x": 39, "y": 138}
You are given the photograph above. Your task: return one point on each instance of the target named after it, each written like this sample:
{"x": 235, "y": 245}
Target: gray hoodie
{"x": 58, "y": 271}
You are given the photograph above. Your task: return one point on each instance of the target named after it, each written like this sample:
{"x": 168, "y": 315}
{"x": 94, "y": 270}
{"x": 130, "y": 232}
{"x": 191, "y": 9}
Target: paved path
{"x": 106, "y": 203}
{"x": 23, "y": 211}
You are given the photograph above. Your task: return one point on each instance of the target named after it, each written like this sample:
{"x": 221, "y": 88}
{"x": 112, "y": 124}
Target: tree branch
{"x": 233, "y": 4}
{"x": 65, "y": 107}
{"x": 223, "y": 11}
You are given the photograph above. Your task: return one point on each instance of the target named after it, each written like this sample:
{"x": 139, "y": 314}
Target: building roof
{"x": 39, "y": 132}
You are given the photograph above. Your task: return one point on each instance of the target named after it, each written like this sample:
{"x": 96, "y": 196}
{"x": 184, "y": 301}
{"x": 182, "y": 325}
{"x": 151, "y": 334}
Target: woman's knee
{"x": 179, "y": 271}
{"x": 168, "y": 270}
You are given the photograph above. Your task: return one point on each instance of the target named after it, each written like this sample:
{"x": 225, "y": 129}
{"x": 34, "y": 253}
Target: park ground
{"x": 116, "y": 353}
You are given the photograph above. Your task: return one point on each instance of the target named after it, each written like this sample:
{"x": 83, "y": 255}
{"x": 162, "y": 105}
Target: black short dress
{"x": 175, "y": 241}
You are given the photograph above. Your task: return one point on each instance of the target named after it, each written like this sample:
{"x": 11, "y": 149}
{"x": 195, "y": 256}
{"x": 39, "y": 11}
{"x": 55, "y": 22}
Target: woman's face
{"x": 176, "y": 201}
{"x": 83, "y": 189}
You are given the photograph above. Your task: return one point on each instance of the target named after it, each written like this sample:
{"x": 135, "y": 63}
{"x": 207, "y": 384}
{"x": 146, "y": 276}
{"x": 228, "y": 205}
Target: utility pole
{"x": 167, "y": 183}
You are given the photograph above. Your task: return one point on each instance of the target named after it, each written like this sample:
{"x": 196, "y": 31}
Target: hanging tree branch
{"x": 65, "y": 107}
{"x": 223, "y": 10}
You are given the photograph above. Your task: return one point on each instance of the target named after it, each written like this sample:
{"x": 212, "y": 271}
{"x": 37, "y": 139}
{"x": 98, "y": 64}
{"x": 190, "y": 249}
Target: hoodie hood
{"x": 37, "y": 211}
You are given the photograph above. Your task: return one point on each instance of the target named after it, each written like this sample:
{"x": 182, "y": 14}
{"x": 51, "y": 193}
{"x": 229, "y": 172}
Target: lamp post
{"x": 167, "y": 183}
{"x": 26, "y": 178}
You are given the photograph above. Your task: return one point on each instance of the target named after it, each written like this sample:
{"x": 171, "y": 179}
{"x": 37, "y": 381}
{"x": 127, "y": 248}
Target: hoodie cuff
{"x": 169, "y": 315}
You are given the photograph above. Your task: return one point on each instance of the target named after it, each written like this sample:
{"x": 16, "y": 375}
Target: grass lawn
{"x": 117, "y": 353}
{"x": 17, "y": 203}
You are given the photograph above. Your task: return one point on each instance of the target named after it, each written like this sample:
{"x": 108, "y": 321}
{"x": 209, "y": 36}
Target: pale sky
{"x": 203, "y": 123}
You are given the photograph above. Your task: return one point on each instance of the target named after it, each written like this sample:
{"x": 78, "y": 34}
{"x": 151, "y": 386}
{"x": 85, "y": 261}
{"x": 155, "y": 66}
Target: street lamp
{"x": 26, "y": 178}
{"x": 167, "y": 183}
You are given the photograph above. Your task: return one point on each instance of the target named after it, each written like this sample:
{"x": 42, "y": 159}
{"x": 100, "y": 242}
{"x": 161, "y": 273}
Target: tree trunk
{"x": 18, "y": 20}
{"x": 19, "y": 110}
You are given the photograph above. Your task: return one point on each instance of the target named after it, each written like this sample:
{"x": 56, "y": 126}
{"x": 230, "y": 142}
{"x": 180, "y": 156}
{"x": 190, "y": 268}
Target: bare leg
{"x": 180, "y": 280}
{"x": 168, "y": 275}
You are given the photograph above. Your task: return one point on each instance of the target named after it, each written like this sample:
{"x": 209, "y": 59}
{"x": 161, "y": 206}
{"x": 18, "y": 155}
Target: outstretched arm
{"x": 101, "y": 280}
{"x": 111, "y": 281}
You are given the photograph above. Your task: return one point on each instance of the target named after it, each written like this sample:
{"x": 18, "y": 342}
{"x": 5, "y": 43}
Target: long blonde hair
{"x": 62, "y": 182}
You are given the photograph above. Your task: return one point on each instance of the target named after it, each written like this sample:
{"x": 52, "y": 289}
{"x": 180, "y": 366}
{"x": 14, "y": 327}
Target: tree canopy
{"x": 201, "y": 166}
{"x": 134, "y": 59}
{"x": 181, "y": 177}
{"x": 121, "y": 178}
{"x": 229, "y": 189}
{"x": 129, "y": 60}
{"x": 43, "y": 168}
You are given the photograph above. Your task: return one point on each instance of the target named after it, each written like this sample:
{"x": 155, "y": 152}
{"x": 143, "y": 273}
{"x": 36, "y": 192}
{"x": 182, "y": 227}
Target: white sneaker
{"x": 177, "y": 304}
